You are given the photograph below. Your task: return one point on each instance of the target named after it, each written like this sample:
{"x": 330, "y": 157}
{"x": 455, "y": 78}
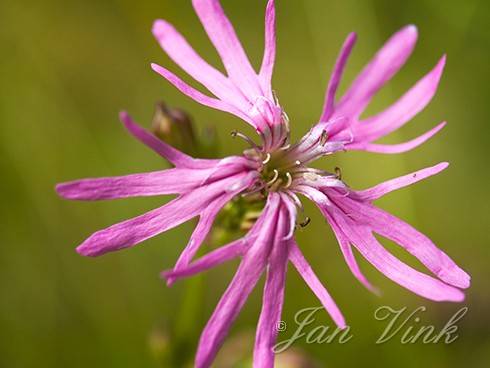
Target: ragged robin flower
{"x": 280, "y": 172}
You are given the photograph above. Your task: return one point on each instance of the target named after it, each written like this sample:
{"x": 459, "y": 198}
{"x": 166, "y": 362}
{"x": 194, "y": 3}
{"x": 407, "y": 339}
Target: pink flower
{"x": 280, "y": 171}
{"x": 203, "y": 186}
{"x": 249, "y": 95}
{"x": 270, "y": 244}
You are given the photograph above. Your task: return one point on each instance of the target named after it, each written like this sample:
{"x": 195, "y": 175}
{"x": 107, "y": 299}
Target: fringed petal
{"x": 396, "y": 148}
{"x": 304, "y": 269}
{"x": 267, "y": 68}
{"x": 223, "y": 36}
{"x": 171, "y": 154}
{"x": 389, "y": 186}
{"x": 273, "y": 297}
{"x": 384, "y": 65}
{"x": 413, "y": 241}
{"x": 402, "y": 111}
{"x": 212, "y": 259}
{"x": 178, "y": 49}
{"x": 131, "y": 232}
{"x": 415, "y": 281}
{"x": 199, "y": 96}
{"x": 328, "y": 107}
{"x": 246, "y": 277}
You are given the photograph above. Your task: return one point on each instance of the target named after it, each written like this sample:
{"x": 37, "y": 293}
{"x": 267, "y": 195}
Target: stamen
{"x": 274, "y": 178}
{"x": 297, "y": 162}
{"x": 276, "y": 100}
{"x": 285, "y": 117}
{"x": 338, "y": 173}
{"x": 235, "y": 134}
{"x": 304, "y": 223}
{"x": 295, "y": 199}
{"x": 323, "y": 138}
{"x": 255, "y": 191}
{"x": 267, "y": 158}
{"x": 275, "y": 187}
{"x": 290, "y": 180}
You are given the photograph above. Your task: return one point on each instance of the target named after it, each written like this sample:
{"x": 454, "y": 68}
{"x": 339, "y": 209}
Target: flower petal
{"x": 178, "y": 49}
{"x": 346, "y": 249}
{"x": 267, "y": 68}
{"x": 402, "y": 111}
{"x": 245, "y": 279}
{"x": 313, "y": 194}
{"x": 210, "y": 260}
{"x": 134, "y": 185}
{"x": 380, "y": 190}
{"x": 415, "y": 281}
{"x": 273, "y": 297}
{"x": 200, "y": 232}
{"x": 396, "y": 148}
{"x": 377, "y": 72}
{"x": 173, "y": 155}
{"x": 131, "y": 232}
{"x": 224, "y": 38}
{"x": 338, "y": 70}
{"x": 199, "y": 96}
{"x": 304, "y": 269}
{"x": 292, "y": 210}
{"x": 413, "y": 241}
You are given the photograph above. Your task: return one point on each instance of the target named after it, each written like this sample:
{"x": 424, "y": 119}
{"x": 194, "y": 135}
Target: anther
{"x": 267, "y": 158}
{"x": 297, "y": 162}
{"x": 235, "y": 134}
{"x": 304, "y": 223}
{"x": 274, "y": 178}
{"x": 338, "y": 173}
{"x": 323, "y": 138}
{"x": 290, "y": 180}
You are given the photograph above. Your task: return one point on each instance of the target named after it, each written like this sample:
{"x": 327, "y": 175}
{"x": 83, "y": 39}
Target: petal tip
{"x": 407, "y": 36}
{"x": 158, "y": 27}
{"x": 86, "y": 251}
{"x": 375, "y": 290}
{"x": 411, "y": 28}
{"x": 166, "y": 275}
{"x": 456, "y": 277}
{"x": 155, "y": 67}
{"x": 124, "y": 116}
{"x": 68, "y": 190}
{"x": 457, "y": 297}
{"x": 59, "y": 189}
{"x": 352, "y": 37}
{"x": 443, "y": 165}
{"x": 438, "y": 70}
{"x": 442, "y": 60}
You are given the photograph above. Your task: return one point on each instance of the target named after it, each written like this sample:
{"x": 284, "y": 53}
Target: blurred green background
{"x": 68, "y": 67}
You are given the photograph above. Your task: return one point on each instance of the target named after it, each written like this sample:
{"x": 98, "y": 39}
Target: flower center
{"x": 284, "y": 168}
{"x": 279, "y": 170}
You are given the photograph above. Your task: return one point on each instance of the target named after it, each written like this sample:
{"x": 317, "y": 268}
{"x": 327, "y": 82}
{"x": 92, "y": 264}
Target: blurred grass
{"x": 68, "y": 67}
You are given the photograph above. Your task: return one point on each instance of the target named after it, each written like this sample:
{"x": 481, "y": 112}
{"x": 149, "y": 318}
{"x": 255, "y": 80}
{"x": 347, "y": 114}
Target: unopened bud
{"x": 175, "y": 127}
